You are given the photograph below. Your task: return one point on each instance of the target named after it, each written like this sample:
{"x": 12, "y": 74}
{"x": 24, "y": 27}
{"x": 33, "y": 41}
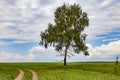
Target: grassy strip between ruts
{"x": 27, "y": 74}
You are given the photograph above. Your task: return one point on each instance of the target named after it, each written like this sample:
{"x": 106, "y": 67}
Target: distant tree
{"x": 116, "y": 65}
{"x": 66, "y": 34}
{"x": 117, "y": 60}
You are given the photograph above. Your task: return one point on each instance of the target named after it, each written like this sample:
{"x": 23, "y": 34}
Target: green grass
{"x": 8, "y": 71}
{"x": 56, "y": 71}
{"x": 27, "y": 75}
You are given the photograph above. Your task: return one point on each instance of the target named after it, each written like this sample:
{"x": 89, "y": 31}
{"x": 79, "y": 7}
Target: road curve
{"x": 34, "y": 74}
{"x": 20, "y": 75}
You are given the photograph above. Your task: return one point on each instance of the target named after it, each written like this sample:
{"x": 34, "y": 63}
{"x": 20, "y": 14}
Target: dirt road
{"x": 20, "y": 75}
{"x": 34, "y": 74}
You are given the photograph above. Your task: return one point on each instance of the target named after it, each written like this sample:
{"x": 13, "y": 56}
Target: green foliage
{"x": 67, "y": 32}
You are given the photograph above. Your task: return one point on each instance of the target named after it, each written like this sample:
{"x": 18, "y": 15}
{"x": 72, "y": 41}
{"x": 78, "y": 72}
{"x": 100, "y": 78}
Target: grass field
{"x": 56, "y": 71}
{"x": 8, "y": 71}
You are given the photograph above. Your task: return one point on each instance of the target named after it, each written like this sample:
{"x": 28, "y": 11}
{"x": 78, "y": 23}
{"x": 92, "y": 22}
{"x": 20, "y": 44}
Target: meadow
{"x": 56, "y": 71}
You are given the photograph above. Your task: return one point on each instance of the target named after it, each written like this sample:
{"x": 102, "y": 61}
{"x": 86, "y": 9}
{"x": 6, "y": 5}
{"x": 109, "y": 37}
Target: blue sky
{"x": 21, "y": 22}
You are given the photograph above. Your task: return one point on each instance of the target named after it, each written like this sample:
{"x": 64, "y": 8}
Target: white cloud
{"x": 50, "y": 55}
{"x": 39, "y": 53}
{"x": 3, "y": 43}
{"x": 42, "y": 54}
{"x": 103, "y": 52}
{"x": 24, "y": 22}
{"x": 103, "y": 20}
{"x": 30, "y": 56}
{"x": 30, "y": 17}
{"x": 106, "y": 3}
{"x": 5, "y": 56}
{"x": 40, "y": 48}
{"x": 24, "y": 4}
{"x": 112, "y": 39}
{"x": 109, "y": 50}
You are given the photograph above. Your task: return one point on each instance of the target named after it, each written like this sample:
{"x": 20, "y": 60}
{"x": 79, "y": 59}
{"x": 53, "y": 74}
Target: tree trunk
{"x": 65, "y": 57}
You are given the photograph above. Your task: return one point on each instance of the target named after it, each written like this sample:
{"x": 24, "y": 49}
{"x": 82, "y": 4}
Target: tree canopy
{"x": 67, "y": 33}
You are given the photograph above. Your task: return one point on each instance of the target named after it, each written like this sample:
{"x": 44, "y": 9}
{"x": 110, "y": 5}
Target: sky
{"x": 21, "y": 22}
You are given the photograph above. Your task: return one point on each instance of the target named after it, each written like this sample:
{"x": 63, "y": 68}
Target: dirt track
{"x": 20, "y": 75}
{"x": 34, "y": 75}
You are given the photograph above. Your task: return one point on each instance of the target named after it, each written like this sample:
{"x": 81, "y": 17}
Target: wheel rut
{"x": 20, "y": 75}
{"x": 34, "y": 74}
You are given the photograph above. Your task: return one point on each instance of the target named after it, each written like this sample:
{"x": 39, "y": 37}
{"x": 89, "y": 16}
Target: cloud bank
{"x": 5, "y": 56}
{"x": 110, "y": 50}
{"x": 25, "y": 19}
